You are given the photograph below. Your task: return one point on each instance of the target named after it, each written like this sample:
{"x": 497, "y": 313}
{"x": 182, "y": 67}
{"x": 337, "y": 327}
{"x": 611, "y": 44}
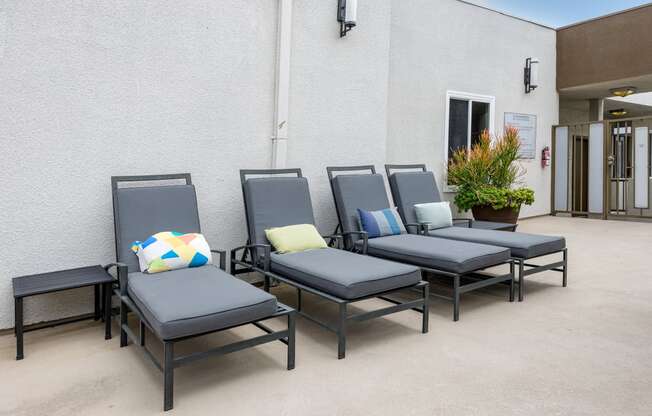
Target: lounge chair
{"x": 458, "y": 222}
{"x": 417, "y": 187}
{"x": 336, "y": 275}
{"x": 460, "y": 261}
{"x": 187, "y": 303}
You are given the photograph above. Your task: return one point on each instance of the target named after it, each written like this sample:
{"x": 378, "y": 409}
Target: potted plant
{"x": 486, "y": 175}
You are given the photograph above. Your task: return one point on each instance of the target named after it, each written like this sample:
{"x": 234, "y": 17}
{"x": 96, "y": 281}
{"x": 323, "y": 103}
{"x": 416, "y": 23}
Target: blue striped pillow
{"x": 381, "y": 223}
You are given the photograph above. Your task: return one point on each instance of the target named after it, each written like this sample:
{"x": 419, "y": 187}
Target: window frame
{"x": 470, "y": 97}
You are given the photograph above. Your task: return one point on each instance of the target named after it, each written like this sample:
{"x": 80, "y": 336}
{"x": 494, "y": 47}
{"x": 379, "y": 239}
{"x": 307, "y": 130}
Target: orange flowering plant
{"x": 486, "y": 173}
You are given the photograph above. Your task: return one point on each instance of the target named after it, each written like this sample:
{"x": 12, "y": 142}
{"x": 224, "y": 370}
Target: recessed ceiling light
{"x": 618, "y": 112}
{"x": 623, "y": 91}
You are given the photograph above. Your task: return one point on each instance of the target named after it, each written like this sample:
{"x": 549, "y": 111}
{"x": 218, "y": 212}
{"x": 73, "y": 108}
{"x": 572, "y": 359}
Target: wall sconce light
{"x": 347, "y": 11}
{"x": 531, "y": 74}
{"x": 623, "y": 91}
{"x": 618, "y": 112}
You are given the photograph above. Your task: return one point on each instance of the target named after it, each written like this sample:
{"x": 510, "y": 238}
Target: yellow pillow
{"x": 295, "y": 238}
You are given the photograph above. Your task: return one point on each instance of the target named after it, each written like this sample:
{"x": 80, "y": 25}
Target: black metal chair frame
{"x": 521, "y": 263}
{"x": 251, "y": 261}
{"x": 478, "y": 278}
{"x": 170, "y": 362}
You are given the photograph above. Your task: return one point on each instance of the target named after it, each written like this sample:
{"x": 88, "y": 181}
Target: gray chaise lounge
{"x": 458, "y": 222}
{"x": 336, "y": 275}
{"x": 182, "y": 304}
{"x": 458, "y": 260}
{"x": 418, "y": 187}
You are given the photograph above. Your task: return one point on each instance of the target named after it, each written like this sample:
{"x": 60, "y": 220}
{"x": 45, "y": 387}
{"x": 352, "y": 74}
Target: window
{"x": 467, "y": 115}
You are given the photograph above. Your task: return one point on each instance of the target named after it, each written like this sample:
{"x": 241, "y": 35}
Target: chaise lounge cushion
{"x": 411, "y": 188}
{"x": 193, "y": 301}
{"x": 342, "y": 273}
{"x": 522, "y": 245}
{"x": 438, "y": 253}
{"x": 488, "y": 225}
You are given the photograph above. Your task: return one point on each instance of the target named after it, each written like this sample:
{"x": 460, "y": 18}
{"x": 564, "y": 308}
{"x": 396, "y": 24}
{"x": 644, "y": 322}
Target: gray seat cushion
{"x": 192, "y": 301}
{"x": 521, "y": 245}
{"x": 276, "y": 202}
{"x": 488, "y": 225}
{"x": 353, "y": 191}
{"x": 411, "y": 188}
{"x": 342, "y": 273}
{"x": 438, "y": 253}
{"x": 141, "y": 212}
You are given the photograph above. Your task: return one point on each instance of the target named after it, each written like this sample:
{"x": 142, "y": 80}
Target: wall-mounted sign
{"x": 527, "y": 131}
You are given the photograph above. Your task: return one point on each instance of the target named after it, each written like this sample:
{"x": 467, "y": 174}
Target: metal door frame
{"x": 607, "y": 126}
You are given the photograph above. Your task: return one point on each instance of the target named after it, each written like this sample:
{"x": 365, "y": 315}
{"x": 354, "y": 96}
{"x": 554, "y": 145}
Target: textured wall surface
{"x": 449, "y": 45}
{"x": 93, "y": 90}
{"x": 338, "y": 99}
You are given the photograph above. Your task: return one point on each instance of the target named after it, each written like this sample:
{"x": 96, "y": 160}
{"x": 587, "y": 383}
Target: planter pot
{"x": 486, "y": 213}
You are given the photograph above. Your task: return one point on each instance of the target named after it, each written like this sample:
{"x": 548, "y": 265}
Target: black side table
{"x": 39, "y": 284}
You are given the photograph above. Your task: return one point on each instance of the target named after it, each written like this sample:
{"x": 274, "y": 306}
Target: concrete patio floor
{"x": 581, "y": 350}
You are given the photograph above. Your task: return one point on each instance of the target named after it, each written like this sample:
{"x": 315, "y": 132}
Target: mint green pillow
{"x": 438, "y": 214}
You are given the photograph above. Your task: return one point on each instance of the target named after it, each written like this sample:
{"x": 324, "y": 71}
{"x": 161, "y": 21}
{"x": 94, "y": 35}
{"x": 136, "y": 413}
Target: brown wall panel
{"x": 605, "y": 49}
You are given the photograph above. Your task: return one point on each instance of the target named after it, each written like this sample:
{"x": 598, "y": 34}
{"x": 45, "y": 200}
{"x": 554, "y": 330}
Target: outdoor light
{"x": 531, "y": 74}
{"x": 619, "y": 112}
{"x": 623, "y": 91}
{"x": 347, "y": 11}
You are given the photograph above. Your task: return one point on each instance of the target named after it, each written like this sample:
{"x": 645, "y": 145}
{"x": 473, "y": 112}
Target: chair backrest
{"x": 359, "y": 190}
{"x": 274, "y": 201}
{"x": 411, "y": 188}
{"x": 141, "y": 211}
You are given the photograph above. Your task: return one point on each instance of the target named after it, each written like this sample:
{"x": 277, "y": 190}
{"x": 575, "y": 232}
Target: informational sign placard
{"x": 527, "y": 131}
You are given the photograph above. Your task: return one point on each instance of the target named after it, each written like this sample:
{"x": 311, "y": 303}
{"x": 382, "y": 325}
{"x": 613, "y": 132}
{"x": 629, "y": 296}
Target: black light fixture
{"x": 347, "y": 11}
{"x": 619, "y": 112}
{"x": 531, "y": 74}
{"x": 623, "y": 91}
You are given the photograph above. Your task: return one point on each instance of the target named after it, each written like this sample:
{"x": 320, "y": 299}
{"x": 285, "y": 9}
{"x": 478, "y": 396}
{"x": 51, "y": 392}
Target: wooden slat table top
{"x": 60, "y": 280}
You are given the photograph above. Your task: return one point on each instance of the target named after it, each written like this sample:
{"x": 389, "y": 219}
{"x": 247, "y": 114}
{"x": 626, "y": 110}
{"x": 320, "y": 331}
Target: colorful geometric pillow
{"x": 170, "y": 250}
{"x": 381, "y": 223}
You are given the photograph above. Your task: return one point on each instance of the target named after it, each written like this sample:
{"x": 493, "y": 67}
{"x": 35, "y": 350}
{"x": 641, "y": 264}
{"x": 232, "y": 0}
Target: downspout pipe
{"x": 282, "y": 85}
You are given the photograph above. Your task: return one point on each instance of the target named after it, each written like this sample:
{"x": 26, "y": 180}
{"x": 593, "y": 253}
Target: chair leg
{"x": 291, "y": 339}
{"x": 456, "y": 298}
{"x": 123, "y": 323}
{"x": 341, "y": 333}
{"x": 141, "y": 333}
{"x": 511, "y": 282}
{"x": 266, "y": 284}
{"x": 96, "y": 298}
{"x": 107, "y": 310}
{"x": 565, "y": 272}
{"x": 19, "y": 327}
{"x": 168, "y": 375}
{"x": 426, "y": 309}
{"x": 521, "y": 280}
{"x": 299, "y": 300}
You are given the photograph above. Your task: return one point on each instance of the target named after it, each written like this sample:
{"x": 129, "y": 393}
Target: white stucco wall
{"x": 338, "y": 95}
{"x": 449, "y": 45}
{"x": 93, "y": 90}
{"x": 89, "y": 90}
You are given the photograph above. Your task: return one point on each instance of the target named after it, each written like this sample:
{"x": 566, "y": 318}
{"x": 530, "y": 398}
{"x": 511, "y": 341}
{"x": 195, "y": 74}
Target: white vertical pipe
{"x": 282, "y": 101}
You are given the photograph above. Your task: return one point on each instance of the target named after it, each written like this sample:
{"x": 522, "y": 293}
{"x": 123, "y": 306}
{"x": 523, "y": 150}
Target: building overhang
{"x": 608, "y": 52}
